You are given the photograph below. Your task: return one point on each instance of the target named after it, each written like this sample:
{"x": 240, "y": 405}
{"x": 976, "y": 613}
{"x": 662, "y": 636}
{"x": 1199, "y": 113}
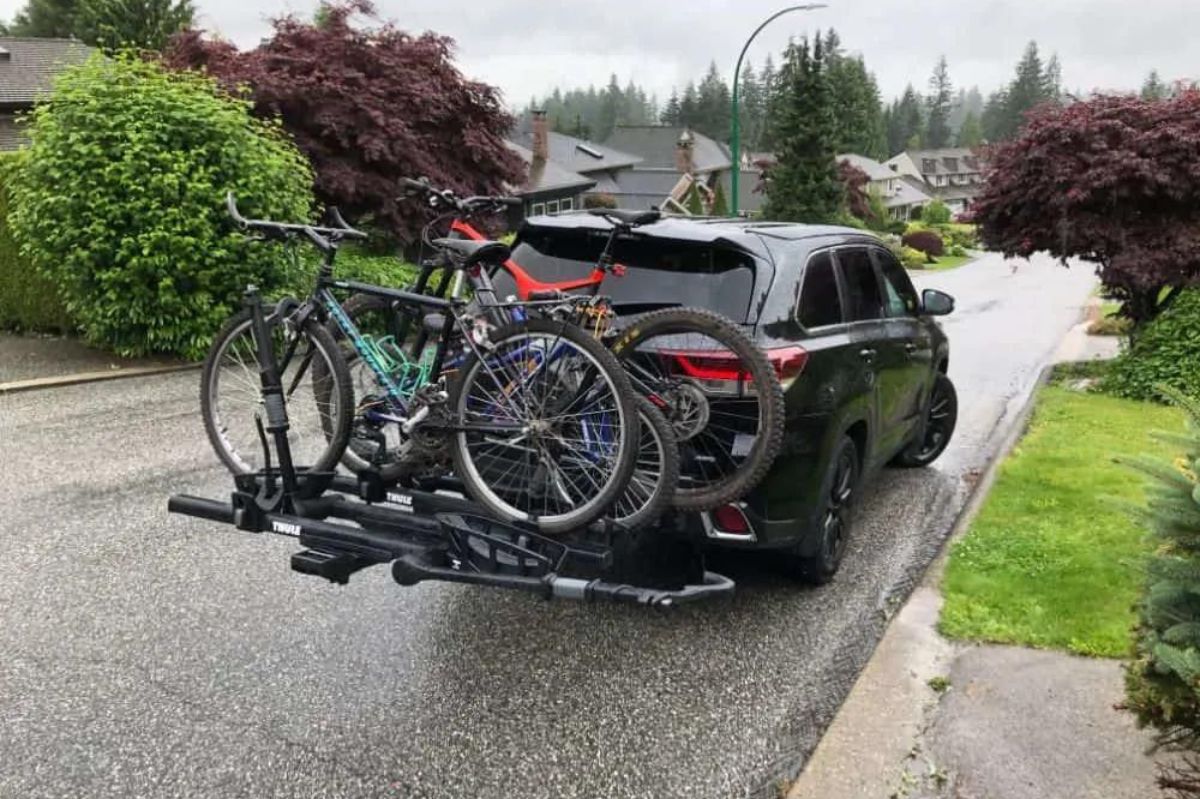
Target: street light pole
{"x": 735, "y": 138}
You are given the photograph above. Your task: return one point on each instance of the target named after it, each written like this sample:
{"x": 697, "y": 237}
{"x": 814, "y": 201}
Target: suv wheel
{"x": 839, "y": 489}
{"x": 940, "y": 419}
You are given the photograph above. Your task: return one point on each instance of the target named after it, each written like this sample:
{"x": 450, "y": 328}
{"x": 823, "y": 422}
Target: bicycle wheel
{"x": 718, "y": 391}
{"x": 652, "y": 485}
{"x": 316, "y": 393}
{"x": 550, "y": 426}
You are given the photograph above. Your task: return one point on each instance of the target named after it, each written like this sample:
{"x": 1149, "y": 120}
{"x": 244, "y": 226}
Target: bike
{"x": 719, "y": 393}
{"x": 535, "y": 417}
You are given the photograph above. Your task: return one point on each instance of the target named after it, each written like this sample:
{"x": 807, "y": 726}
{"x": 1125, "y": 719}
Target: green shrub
{"x": 958, "y": 251}
{"x": 1165, "y": 352}
{"x": 910, "y": 258}
{"x": 926, "y": 241}
{"x": 351, "y": 264}
{"x": 28, "y": 301}
{"x": 936, "y": 213}
{"x": 1162, "y": 683}
{"x": 120, "y": 202}
{"x": 896, "y": 227}
{"x": 959, "y": 235}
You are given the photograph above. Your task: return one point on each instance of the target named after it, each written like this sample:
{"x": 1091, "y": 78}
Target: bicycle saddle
{"x": 627, "y": 217}
{"x": 492, "y": 253}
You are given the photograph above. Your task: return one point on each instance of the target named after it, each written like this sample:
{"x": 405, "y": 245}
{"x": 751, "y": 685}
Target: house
{"x": 27, "y": 70}
{"x": 953, "y": 175}
{"x": 674, "y": 162}
{"x": 901, "y": 194}
{"x": 550, "y": 186}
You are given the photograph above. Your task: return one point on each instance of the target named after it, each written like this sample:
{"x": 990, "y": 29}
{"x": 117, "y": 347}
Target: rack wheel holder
{"x": 424, "y": 535}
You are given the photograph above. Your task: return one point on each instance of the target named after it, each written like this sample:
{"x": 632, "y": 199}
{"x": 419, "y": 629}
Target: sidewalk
{"x": 31, "y": 361}
{"x": 934, "y": 719}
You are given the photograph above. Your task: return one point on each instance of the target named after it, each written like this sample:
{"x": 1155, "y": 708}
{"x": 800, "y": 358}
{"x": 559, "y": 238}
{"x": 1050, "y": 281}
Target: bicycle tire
{"x": 335, "y": 425}
{"x": 607, "y": 370}
{"x": 637, "y": 509}
{"x": 700, "y": 495}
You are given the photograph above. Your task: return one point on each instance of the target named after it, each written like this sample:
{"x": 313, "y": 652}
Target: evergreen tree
{"x": 693, "y": 202}
{"x": 858, "y": 112}
{"x": 610, "y": 109}
{"x": 1162, "y": 684}
{"x": 994, "y": 120}
{"x": 905, "y": 132}
{"x": 970, "y": 134}
{"x": 689, "y": 106}
{"x": 937, "y": 128}
{"x": 670, "y": 113}
{"x": 714, "y": 105}
{"x": 804, "y": 185}
{"x": 141, "y": 24}
{"x": 750, "y": 108}
{"x": 720, "y": 206}
{"x": 1032, "y": 86}
{"x": 1154, "y": 88}
{"x": 45, "y": 19}
{"x": 1052, "y": 80}
{"x": 768, "y": 79}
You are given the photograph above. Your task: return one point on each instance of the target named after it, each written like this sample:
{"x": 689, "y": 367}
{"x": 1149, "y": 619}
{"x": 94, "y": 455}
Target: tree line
{"x": 942, "y": 116}
{"x": 108, "y": 24}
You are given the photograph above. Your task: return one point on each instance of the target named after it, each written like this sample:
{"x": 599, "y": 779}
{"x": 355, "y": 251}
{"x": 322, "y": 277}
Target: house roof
{"x": 548, "y": 176}
{"x": 909, "y": 191}
{"x": 642, "y": 188}
{"x": 28, "y": 69}
{"x": 946, "y": 161}
{"x": 575, "y": 154}
{"x": 957, "y": 192}
{"x": 655, "y": 145}
{"x": 874, "y": 169}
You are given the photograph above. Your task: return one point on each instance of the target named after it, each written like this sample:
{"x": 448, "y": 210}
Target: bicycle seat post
{"x": 272, "y": 389}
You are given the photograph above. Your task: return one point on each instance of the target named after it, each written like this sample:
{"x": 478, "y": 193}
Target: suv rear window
{"x": 820, "y": 304}
{"x": 660, "y": 272}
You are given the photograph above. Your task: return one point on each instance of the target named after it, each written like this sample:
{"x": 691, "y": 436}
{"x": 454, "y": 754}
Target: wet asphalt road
{"x": 146, "y": 655}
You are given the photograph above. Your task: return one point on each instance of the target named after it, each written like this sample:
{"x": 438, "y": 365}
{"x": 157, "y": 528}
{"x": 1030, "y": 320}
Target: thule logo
{"x": 284, "y": 528}
{"x": 405, "y": 501}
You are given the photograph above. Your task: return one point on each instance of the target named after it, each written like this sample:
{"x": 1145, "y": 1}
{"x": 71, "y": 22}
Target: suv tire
{"x": 940, "y": 418}
{"x": 839, "y": 490}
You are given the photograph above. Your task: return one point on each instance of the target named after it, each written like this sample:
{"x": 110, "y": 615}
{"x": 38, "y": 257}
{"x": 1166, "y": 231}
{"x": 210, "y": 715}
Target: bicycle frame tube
{"x": 526, "y": 283}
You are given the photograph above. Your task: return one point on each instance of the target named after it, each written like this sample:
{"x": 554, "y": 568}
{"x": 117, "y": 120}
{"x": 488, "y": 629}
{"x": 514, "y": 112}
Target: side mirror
{"x": 936, "y": 303}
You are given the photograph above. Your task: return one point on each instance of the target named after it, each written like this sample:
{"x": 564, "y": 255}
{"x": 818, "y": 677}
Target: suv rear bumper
{"x": 763, "y": 533}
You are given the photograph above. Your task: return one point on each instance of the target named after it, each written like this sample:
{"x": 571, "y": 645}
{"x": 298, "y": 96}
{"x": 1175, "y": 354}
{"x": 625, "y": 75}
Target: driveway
{"x": 154, "y": 656}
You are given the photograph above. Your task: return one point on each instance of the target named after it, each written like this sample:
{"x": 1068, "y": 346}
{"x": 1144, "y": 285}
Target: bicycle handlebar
{"x": 447, "y": 197}
{"x": 323, "y": 237}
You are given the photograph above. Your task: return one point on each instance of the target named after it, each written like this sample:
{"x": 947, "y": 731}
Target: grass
{"x": 1049, "y": 562}
{"x": 950, "y": 262}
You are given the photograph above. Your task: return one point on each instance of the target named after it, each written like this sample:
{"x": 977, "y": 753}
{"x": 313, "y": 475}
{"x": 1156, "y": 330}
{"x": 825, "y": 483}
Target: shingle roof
{"x": 577, "y": 155}
{"x": 909, "y": 191}
{"x": 874, "y": 169}
{"x": 643, "y": 188}
{"x": 946, "y": 161}
{"x": 29, "y": 68}
{"x": 655, "y": 145}
{"x": 548, "y": 176}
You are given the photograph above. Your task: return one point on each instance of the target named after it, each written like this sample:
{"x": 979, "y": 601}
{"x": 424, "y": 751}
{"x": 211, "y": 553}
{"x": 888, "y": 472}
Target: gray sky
{"x": 529, "y": 46}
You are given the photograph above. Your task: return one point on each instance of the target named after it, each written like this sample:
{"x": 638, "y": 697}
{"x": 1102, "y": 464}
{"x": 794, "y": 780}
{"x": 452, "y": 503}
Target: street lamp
{"x": 735, "y": 138}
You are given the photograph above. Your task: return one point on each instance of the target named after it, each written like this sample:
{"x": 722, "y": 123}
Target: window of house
{"x": 929, "y": 165}
{"x": 538, "y": 209}
{"x": 951, "y": 164}
{"x": 820, "y": 304}
{"x": 552, "y": 206}
{"x": 567, "y": 204}
{"x": 864, "y": 300}
{"x": 901, "y": 299}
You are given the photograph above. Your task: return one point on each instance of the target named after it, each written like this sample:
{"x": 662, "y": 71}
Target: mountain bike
{"x": 536, "y": 418}
{"x": 719, "y": 392}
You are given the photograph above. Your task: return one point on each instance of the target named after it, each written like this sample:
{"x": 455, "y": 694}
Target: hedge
{"x": 1165, "y": 352}
{"x": 28, "y": 301}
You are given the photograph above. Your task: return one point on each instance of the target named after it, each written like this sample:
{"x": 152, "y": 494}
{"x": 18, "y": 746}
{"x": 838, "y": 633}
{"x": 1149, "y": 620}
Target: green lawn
{"x": 1049, "y": 562}
{"x": 950, "y": 262}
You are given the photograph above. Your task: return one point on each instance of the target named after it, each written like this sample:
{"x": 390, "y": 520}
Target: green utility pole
{"x": 735, "y": 134}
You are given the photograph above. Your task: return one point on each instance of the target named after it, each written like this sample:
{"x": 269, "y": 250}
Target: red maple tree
{"x": 368, "y": 106}
{"x": 1115, "y": 181}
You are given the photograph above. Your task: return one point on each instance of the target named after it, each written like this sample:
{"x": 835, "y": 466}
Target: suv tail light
{"x": 730, "y": 520}
{"x": 725, "y": 366}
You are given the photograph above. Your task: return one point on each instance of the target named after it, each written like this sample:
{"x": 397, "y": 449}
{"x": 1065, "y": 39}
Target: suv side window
{"x": 901, "y": 296}
{"x": 864, "y": 301}
{"x": 820, "y": 303}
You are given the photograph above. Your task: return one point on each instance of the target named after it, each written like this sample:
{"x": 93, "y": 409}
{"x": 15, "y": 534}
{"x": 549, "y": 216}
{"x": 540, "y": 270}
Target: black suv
{"x": 873, "y": 388}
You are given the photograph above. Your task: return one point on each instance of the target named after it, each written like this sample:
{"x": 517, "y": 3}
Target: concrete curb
{"x": 58, "y": 381}
{"x": 880, "y": 721}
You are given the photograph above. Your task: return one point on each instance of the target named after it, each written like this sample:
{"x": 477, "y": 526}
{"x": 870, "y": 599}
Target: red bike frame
{"x": 526, "y": 283}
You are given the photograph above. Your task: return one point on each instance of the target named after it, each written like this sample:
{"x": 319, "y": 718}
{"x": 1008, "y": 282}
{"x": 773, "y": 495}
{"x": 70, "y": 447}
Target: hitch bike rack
{"x": 347, "y": 524}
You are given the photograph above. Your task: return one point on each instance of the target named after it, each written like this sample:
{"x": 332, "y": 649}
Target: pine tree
{"x": 720, "y": 206}
{"x": 905, "y": 132}
{"x": 1162, "y": 684}
{"x": 670, "y": 112}
{"x": 45, "y": 19}
{"x": 693, "y": 202}
{"x": 610, "y": 109}
{"x": 804, "y": 186}
{"x": 858, "y": 113}
{"x": 937, "y": 128}
{"x": 1154, "y": 88}
{"x": 768, "y": 79}
{"x": 750, "y": 108}
{"x": 970, "y": 134}
{"x": 994, "y": 120}
{"x": 1052, "y": 80}
{"x": 141, "y": 24}
{"x": 689, "y": 107}
{"x": 714, "y": 105}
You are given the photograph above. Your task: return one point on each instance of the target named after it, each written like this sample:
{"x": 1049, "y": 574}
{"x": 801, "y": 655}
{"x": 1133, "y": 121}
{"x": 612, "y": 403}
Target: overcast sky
{"x": 528, "y": 47}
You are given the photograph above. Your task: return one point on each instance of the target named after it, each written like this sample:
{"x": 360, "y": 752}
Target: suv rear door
{"x": 880, "y": 350}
